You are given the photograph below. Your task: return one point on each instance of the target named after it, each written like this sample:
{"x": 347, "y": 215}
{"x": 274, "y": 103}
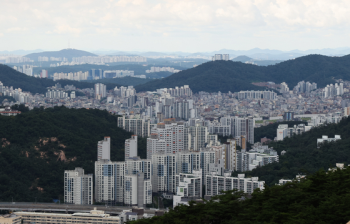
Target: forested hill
{"x": 302, "y": 155}
{"x": 232, "y": 76}
{"x": 37, "y": 146}
{"x": 11, "y": 77}
{"x": 67, "y": 53}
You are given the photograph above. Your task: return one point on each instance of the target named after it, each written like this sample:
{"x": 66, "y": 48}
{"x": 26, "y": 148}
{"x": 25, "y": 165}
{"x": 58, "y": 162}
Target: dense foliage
{"x": 232, "y": 76}
{"x": 11, "y": 77}
{"x": 37, "y": 146}
{"x": 302, "y": 155}
{"x": 270, "y": 131}
{"x": 319, "y": 198}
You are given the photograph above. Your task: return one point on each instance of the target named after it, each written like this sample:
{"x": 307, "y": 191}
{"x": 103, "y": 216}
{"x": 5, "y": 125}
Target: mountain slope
{"x": 232, "y": 76}
{"x": 11, "y": 77}
{"x": 211, "y": 77}
{"x": 67, "y": 53}
{"x": 37, "y": 146}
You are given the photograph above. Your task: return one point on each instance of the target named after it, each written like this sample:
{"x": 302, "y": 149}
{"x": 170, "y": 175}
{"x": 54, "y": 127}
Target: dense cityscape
{"x": 153, "y": 112}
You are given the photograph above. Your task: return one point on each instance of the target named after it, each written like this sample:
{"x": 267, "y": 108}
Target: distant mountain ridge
{"x": 67, "y": 53}
{"x": 232, "y": 76}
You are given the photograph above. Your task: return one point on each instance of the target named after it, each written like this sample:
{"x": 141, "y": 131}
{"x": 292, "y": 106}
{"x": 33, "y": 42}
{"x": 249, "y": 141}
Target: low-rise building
{"x": 95, "y": 216}
{"x": 326, "y": 139}
{"x": 10, "y": 219}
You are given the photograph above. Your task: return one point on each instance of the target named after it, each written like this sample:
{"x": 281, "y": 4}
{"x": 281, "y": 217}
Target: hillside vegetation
{"x": 37, "y": 146}
{"x": 302, "y": 155}
{"x": 319, "y": 198}
{"x": 232, "y": 76}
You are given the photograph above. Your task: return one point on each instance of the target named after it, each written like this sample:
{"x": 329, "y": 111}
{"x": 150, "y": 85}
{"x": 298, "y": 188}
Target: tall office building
{"x": 100, "y": 91}
{"x": 104, "y": 149}
{"x": 131, "y": 147}
{"x": 109, "y": 182}
{"x": 78, "y": 187}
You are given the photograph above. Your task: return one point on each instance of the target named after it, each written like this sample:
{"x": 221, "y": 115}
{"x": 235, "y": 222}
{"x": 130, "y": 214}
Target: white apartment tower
{"x": 163, "y": 172}
{"x": 155, "y": 145}
{"x": 131, "y": 147}
{"x": 104, "y": 149}
{"x": 109, "y": 182}
{"x": 78, "y": 187}
{"x": 135, "y": 165}
{"x": 100, "y": 90}
{"x": 207, "y": 157}
{"x": 187, "y": 162}
{"x": 138, "y": 191}
{"x": 172, "y": 134}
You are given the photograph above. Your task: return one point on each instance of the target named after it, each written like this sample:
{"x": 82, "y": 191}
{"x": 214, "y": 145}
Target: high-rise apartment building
{"x": 109, "y": 182}
{"x": 138, "y": 191}
{"x": 134, "y": 165}
{"x": 163, "y": 172}
{"x": 131, "y": 147}
{"x": 78, "y": 187}
{"x": 188, "y": 161}
{"x": 104, "y": 149}
{"x": 137, "y": 126}
{"x": 154, "y": 145}
{"x": 100, "y": 91}
{"x": 207, "y": 157}
{"x": 172, "y": 134}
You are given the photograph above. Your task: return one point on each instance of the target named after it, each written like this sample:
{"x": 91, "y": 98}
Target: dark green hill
{"x": 302, "y": 154}
{"x": 232, "y": 76}
{"x": 37, "y": 146}
{"x": 11, "y": 77}
{"x": 215, "y": 76}
{"x": 67, "y": 53}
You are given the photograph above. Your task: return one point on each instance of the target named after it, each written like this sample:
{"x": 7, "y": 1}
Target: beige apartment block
{"x": 94, "y": 217}
{"x": 10, "y": 219}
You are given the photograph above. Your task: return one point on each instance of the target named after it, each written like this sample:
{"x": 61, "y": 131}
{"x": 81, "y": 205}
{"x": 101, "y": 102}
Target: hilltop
{"x": 67, "y": 53}
{"x": 11, "y": 77}
{"x": 38, "y": 145}
{"x": 232, "y": 76}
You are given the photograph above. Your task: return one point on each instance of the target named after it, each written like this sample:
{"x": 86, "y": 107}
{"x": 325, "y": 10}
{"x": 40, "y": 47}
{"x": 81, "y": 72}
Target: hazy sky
{"x": 174, "y": 25}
